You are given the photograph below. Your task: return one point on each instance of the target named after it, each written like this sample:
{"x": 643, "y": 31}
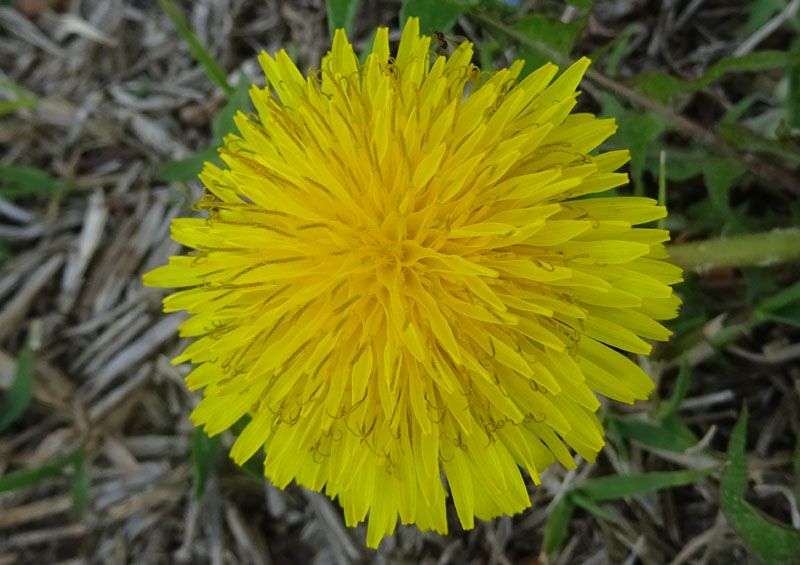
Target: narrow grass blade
{"x": 205, "y": 451}
{"x": 24, "y": 99}
{"x": 81, "y": 483}
{"x": 29, "y": 477}
{"x": 670, "y": 408}
{"x": 555, "y": 530}
{"x": 669, "y": 435}
{"x": 22, "y": 182}
{"x": 18, "y": 398}
{"x": 772, "y": 542}
{"x": 619, "y": 486}
{"x": 201, "y": 54}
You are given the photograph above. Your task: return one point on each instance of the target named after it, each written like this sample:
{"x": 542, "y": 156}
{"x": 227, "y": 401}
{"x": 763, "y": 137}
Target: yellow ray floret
{"x": 396, "y": 282}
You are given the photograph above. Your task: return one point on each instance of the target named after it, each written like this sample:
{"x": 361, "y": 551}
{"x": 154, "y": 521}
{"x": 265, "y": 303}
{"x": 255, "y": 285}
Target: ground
{"x": 104, "y": 93}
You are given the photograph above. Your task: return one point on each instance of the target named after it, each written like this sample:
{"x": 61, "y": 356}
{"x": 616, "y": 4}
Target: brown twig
{"x": 755, "y": 163}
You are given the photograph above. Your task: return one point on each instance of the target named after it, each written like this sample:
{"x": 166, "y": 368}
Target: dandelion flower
{"x": 400, "y": 287}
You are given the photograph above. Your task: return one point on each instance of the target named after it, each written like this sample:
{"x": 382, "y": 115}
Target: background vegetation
{"x": 108, "y": 109}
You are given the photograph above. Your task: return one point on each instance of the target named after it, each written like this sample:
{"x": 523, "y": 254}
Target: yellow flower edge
{"x": 397, "y": 283}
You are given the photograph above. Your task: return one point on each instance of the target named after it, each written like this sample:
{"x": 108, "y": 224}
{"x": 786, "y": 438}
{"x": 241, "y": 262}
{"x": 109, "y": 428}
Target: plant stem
{"x": 761, "y": 249}
{"x": 758, "y": 165}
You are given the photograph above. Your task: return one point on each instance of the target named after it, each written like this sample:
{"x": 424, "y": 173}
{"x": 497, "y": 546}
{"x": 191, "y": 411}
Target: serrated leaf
{"x": 187, "y": 169}
{"x": 19, "y": 396}
{"x": 205, "y": 451}
{"x": 30, "y": 477}
{"x": 340, "y": 14}
{"x": 198, "y": 50}
{"x": 619, "y": 486}
{"x": 555, "y": 530}
{"x": 434, "y": 16}
{"x": 663, "y": 87}
{"x": 772, "y": 542}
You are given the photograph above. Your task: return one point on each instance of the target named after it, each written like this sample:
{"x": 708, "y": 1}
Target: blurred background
{"x": 108, "y": 108}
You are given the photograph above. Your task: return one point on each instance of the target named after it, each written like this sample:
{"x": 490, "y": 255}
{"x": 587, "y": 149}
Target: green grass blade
{"x": 24, "y": 99}
{"x": 591, "y": 506}
{"x": 771, "y": 541}
{"x": 619, "y": 486}
{"x": 205, "y": 451}
{"x": 18, "y": 182}
{"x": 18, "y": 398}
{"x": 555, "y": 530}
{"x": 773, "y": 307}
{"x": 669, "y": 435}
{"x": 29, "y": 477}
{"x": 340, "y": 14}
{"x": 670, "y": 408}
{"x": 81, "y": 483}
{"x": 201, "y": 54}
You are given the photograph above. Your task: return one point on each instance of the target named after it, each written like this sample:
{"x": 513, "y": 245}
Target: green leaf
{"x": 720, "y": 175}
{"x": 793, "y": 101}
{"x": 205, "y": 451}
{"x": 669, "y": 435}
{"x": 24, "y": 99}
{"x": 617, "y": 49}
{"x": 435, "y": 16}
{"x": 555, "y": 34}
{"x": 239, "y": 100}
{"x": 663, "y": 87}
{"x": 637, "y": 132}
{"x": 748, "y": 140}
{"x": 29, "y": 477}
{"x": 18, "y": 398}
{"x": 18, "y": 182}
{"x": 670, "y": 408}
{"x": 340, "y": 14}
{"x": 81, "y": 482}
{"x": 772, "y": 542}
{"x": 780, "y": 307}
{"x": 555, "y": 530}
{"x": 187, "y": 169}
{"x": 590, "y": 506}
{"x": 760, "y": 12}
{"x": 200, "y": 53}
{"x": 618, "y": 486}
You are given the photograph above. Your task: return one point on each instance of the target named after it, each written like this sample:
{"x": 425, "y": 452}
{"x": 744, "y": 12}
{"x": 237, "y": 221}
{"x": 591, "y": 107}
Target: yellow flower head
{"x": 397, "y": 284}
